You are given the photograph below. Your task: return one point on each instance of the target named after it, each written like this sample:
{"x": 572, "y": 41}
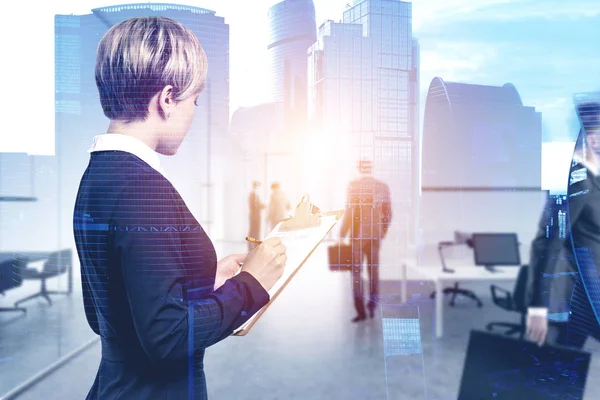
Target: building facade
{"x": 363, "y": 90}
{"x": 480, "y": 137}
{"x": 340, "y": 101}
{"x": 481, "y": 163}
{"x": 292, "y": 30}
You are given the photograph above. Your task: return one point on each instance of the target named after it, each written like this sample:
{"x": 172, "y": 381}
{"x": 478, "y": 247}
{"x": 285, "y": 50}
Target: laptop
{"x": 503, "y": 368}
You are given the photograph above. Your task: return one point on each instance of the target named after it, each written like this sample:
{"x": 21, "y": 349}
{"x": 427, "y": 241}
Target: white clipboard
{"x": 300, "y": 243}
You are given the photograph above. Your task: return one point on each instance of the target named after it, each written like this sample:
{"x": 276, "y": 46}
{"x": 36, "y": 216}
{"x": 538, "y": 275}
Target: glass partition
{"x": 41, "y": 312}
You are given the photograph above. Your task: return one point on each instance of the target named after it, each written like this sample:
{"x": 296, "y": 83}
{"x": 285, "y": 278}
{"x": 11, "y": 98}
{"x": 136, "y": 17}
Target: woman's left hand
{"x": 227, "y": 268}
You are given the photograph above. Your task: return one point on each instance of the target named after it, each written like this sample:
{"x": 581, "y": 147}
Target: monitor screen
{"x": 496, "y": 249}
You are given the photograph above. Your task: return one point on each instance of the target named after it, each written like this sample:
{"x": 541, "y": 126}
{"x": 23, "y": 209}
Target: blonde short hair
{"x": 138, "y": 57}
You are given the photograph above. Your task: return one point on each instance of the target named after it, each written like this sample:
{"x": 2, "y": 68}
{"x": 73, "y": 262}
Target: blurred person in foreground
{"x": 255, "y": 207}
{"x": 278, "y": 205}
{"x": 579, "y": 253}
{"x": 148, "y": 269}
{"x": 366, "y": 221}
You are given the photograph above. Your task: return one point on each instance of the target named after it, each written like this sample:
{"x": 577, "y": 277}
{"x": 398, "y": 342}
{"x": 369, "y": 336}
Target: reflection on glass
{"x": 40, "y": 313}
{"x": 584, "y": 219}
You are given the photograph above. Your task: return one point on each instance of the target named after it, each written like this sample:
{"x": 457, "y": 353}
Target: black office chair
{"x": 57, "y": 264}
{"x": 10, "y": 278}
{"x": 511, "y": 302}
{"x": 459, "y": 239}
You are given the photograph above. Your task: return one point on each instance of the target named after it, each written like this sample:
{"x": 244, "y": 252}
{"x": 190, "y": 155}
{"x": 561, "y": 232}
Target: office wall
{"x": 33, "y": 341}
{"x": 442, "y": 213}
{"x": 29, "y": 225}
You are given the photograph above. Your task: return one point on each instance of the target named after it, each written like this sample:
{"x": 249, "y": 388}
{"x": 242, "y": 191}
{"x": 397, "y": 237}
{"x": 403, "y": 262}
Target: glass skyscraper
{"x": 292, "y": 30}
{"x": 363, "y": 90}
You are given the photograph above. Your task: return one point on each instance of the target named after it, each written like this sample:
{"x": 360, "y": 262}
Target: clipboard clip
{"x": 306, "y": 215}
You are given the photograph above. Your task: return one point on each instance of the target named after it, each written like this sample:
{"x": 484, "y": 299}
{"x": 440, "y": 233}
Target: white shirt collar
{"x": 129, "y": 144}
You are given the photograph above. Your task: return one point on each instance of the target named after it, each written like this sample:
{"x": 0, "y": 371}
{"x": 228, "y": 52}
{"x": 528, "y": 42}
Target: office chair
{"x": 460, "y": 238}
{"x": 511, "y": 302}
{"x": 10, "y": 278}
{"x": 58, "y": 263}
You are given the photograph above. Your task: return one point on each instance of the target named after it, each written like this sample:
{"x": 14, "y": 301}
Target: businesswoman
{"x": 149, "y": 272}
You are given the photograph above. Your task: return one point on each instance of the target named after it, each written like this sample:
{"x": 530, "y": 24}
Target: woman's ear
{"x": 166, "y": 101}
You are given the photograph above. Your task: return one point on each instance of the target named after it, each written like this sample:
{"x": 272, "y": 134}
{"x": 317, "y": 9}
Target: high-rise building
{"x": 340, "y": 79}
{"x": 481, "y": 162}
{"x": 480, "y": 137}
{"x": 79, "y": 115}
{"x": 340, "y": 100}
{"x": 363, "y": 90}
{"x": 292, "y": 30}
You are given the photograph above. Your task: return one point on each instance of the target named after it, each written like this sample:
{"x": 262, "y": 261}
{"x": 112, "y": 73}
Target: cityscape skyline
{"x": 427, "y": 118}
{"x": 501, "y": 41}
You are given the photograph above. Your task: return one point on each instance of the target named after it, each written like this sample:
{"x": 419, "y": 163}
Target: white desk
{"x": 467, "y": 273}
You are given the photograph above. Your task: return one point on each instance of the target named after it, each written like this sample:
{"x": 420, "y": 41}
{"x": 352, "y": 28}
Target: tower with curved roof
{"x": 481, "y": 164}
{"x": 479, "y": 137}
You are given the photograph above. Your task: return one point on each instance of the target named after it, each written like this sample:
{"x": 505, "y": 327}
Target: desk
{"x": 34, "y": 256}
{"x": 467, "y": 273}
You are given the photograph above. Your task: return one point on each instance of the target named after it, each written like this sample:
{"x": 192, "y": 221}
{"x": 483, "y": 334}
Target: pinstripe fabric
{"x": 148, "y": 271}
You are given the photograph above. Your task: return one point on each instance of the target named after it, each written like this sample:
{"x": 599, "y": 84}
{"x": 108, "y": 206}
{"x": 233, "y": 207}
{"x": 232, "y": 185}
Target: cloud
{"x": 455, "y": 61}
{"x": 428, "y": 11}
{"x": 548, "y": 53}
{"x": 532, "y": 9}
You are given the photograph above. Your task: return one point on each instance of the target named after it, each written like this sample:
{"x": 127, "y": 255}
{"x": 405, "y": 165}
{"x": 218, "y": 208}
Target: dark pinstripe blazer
{"x": 148, "y": 271}
{"x": 555, "y": 256}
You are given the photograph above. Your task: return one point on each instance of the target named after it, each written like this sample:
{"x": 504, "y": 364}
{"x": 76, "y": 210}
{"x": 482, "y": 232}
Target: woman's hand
{"x": 265, "y": 263}
{"x": 227, "y": 268}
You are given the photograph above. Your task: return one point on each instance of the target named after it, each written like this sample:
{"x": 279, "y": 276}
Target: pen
{"x": 252, "y": 240}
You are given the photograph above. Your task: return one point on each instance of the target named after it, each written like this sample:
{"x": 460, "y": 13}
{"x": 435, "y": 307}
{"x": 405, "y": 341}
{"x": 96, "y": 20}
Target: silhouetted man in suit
{"x": 278, "y": 205}
{"x": 366, "y": 221}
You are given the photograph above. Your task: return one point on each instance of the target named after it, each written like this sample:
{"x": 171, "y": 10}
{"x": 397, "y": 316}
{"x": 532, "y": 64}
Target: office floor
{"x": 307, "y": 348}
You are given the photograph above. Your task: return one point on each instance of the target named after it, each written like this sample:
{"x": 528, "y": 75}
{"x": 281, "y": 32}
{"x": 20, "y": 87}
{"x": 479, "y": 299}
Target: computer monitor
{"x": 491, "y": 249}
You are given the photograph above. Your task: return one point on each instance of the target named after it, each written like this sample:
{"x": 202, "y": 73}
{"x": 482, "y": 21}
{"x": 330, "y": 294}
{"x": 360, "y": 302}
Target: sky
{"x": 549, "y": 49}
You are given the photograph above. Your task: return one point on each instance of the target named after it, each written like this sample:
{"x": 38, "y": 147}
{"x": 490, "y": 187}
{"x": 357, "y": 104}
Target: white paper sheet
{"x": 299, "y": 244}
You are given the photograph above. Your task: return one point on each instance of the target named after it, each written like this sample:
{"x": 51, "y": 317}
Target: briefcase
{"x": 340, "y": 257}
{"x": 503, "y": 368}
